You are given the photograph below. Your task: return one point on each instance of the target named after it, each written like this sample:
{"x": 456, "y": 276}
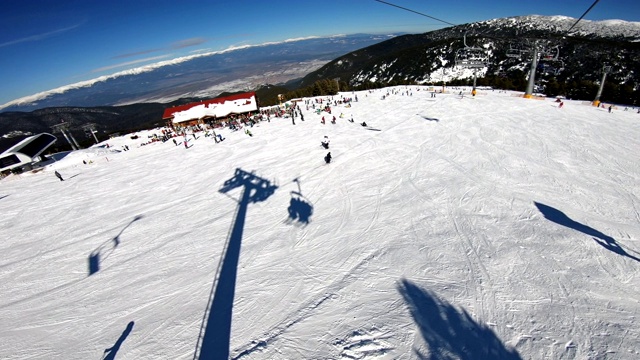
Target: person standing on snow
{"x": 327, "y": 158}
{"x": 58, "y": 175}
{"x": 325, "y": 142}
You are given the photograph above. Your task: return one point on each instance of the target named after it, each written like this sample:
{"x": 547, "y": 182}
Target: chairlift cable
{"x": 583, "y": 15}
{"x": 416, "y": 12}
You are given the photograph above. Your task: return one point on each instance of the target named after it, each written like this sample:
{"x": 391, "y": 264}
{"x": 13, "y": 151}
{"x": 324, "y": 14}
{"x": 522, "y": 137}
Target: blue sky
{"x": 45, "y": 44}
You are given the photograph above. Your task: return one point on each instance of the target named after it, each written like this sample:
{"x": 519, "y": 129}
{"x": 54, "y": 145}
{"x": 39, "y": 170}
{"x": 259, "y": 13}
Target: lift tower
{"x": 605, "y": 70}
{"x": 539, "y": 53}
{"x": 63, "y": 128}
{"x": 472, "y": 57}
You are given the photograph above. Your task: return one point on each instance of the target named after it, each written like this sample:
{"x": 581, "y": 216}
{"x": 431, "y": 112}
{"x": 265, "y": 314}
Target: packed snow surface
{"x": 450, "y": 227}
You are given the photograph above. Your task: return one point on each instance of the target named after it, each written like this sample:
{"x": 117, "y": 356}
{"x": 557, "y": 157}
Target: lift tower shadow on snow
{"x": 215, "y": 331}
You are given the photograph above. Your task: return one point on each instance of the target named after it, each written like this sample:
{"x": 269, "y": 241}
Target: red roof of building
{"x": 168, "y": 113}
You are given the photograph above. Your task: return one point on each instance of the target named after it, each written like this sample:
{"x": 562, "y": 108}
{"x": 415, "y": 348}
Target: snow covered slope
{"x": 451, "y": 227}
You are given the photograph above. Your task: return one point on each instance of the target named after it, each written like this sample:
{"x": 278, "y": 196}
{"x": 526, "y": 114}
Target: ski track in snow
{"x": 448, "y": 206}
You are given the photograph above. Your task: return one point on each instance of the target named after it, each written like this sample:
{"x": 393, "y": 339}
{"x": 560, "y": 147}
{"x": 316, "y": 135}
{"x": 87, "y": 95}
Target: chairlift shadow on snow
{"x": 103, "y": 251}
{"x": 300, "y": 208}
{"x": 110, "y": 353}
{"x": 215, "y": 331}
{"x": 604, "y": 240}
{"x": 448, "y": 332}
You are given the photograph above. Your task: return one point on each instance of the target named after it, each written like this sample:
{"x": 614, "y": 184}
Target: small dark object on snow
{"x": 327, "y": 158}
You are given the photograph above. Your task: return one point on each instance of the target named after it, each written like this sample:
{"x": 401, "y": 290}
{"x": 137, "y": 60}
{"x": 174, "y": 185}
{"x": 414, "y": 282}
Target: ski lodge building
{"x": 211, "y": 111}
{"x": 23, "y": 154}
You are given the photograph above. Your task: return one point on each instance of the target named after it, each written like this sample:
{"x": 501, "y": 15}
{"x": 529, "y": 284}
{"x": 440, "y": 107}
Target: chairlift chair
{"x": 472, "y": 57}
{"x": 550, "y": 55}
{"x": 513, "y": 52}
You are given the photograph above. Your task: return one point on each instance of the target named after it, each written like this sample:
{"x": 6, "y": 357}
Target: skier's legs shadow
{"x": 603, "y": 240}
{"x": 110, "y": 353}
{"x": 448, "y": 332}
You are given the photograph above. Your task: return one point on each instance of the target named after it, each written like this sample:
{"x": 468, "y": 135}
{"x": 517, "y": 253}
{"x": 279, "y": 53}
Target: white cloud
{"x": 128, "y": 63}
{"x": 39, "y": 36}
{"x": 139, "y": 70}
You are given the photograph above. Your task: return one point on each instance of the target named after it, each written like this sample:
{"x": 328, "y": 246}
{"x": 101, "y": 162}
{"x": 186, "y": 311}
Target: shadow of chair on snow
{"x": 215, "y": 330}
{"x": 558, "y": 217}
{"x": 110, "y": 353}
{"x": 449, "y": 332}
{"x": 300, "y": 208}
{"x": 103, "y": 251}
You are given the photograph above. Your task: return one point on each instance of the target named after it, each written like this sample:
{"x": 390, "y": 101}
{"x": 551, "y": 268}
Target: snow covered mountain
{"x": 451, "y": 227}
{"x": 561, "y": 24}
{"x": 571, "y": 63}
{"x": 203, "y": 75}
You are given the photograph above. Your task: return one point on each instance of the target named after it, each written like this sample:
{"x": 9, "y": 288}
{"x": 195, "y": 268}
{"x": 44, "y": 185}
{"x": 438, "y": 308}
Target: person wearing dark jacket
{"x": 58, "y": 175}
{"x": 327, "y": 158}
{"x": 325, "y": 142}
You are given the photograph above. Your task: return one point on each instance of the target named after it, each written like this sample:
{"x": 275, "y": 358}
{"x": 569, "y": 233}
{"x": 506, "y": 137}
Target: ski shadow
{"x": 430, "y": 118}
{"x": 110, "y": 353}
{"x": 4, "y": 196}
{"x": 215, "y": 330}
{"x": 300, "y": 208}
{"x": 606, "y": 241}
{"x": 103, "y": 251}
{"x": 71, "y": 177}
{"x": 450, "y": 333}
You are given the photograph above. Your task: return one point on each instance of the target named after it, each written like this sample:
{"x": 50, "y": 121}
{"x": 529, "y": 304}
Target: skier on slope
{"x": 325, "y": 142}
{"x": 58, "y": 175}
{"x": 327, "y": 158}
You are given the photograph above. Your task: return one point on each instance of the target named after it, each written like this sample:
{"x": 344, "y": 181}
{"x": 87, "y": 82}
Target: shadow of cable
{"x": 100, "y": 254}
{"x": 558, "y": 217}
{"x": 450, "y": 333}
{"x": 215, "y": 331}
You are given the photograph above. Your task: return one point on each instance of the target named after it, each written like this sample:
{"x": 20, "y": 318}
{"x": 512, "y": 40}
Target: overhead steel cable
{"x": 583, "y": 15}
{"x": 416, "y": 12}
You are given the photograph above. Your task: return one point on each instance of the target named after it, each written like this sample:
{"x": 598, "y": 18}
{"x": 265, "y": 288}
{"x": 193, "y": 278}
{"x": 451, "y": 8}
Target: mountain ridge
{"x": 200, "y": 75}
{"x": 425, "y": 58}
